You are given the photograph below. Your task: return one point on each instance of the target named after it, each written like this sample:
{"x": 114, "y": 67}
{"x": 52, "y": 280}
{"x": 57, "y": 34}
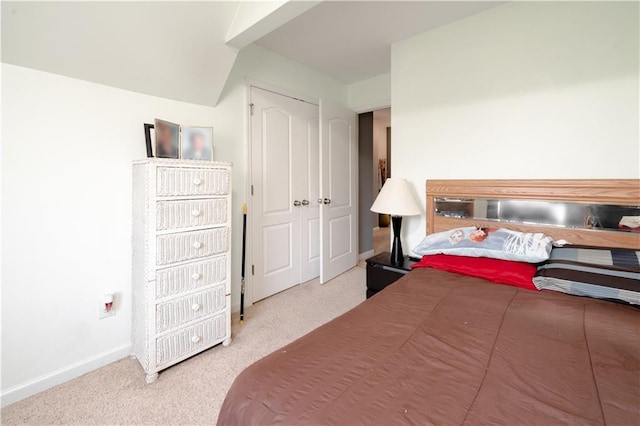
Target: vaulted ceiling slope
{"x": 186, "y": 50}
{"x": 350, "y": 41}
{"x": 173, "y": 50}
{"x": 169, "y": 49}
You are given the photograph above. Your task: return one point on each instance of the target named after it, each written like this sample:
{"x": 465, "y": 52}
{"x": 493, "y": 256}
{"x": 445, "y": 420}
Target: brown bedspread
{"x": 440, "y": 348}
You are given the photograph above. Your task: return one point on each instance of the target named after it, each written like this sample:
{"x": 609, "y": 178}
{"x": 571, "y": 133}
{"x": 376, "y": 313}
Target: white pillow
{"x": 488, "y": 242}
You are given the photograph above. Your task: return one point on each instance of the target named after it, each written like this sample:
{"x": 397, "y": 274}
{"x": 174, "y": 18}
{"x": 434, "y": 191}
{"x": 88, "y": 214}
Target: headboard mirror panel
{"x": 587, "y": 212}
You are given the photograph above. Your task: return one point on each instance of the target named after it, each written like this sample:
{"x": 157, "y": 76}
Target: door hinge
{"x": 253, "y": 269}
{"x": 251, "y": 108}
{"x": 251, "y": 189}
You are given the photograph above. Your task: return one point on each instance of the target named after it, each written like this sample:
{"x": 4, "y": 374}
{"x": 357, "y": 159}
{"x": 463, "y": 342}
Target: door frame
{"x": 248, "y": 84}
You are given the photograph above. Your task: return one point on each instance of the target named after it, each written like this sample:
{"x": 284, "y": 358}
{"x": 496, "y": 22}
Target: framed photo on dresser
{"x": 196, "y": 143}
{"x": 167, "y": 139}
{"x": 150, "y": 139}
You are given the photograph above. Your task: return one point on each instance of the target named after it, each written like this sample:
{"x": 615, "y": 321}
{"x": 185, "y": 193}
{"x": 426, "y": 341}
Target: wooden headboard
{"x": 624, "y": 192}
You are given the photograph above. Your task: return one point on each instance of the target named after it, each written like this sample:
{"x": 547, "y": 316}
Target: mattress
{"x": 441, "y": 348}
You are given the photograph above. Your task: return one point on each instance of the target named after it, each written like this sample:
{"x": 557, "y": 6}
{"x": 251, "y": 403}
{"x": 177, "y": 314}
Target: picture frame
{"x": 196, "y": 143}
{"x": 167, "y": 139}
{"x": 149, "y": 137}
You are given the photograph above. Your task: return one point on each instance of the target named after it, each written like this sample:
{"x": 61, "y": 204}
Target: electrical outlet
{"x": 107, "y": 305}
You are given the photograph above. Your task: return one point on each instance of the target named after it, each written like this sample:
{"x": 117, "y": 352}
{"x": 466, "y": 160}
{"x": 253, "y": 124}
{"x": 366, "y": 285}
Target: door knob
{"x": 297, "y": 203}
{"x": 326, "y": 201}
{"x": 305, "y": 202}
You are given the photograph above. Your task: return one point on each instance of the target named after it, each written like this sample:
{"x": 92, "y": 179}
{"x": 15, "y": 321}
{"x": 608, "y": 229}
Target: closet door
{"x": 282, "y": 154}
{"x": 310, "y": 211}
{"x": 339, "y": 189}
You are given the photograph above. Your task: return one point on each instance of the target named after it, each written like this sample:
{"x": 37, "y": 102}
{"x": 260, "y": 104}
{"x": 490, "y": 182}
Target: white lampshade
{"x": 396, "y": 199}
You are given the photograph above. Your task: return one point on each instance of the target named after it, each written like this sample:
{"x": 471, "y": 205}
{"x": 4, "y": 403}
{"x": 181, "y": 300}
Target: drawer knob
{"x": 197, "y": 245}
{"x": 197, "y": 182}
{"x": 195, "y": 212}
{"x": 195, "y": 307}
{"x": 195, "y": 339}
{"x": 195, "y": 276}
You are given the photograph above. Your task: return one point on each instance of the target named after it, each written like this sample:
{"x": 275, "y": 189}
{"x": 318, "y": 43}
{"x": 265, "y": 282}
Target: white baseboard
{"x": 61, "y": 375}
{"x": 365, "y": 255}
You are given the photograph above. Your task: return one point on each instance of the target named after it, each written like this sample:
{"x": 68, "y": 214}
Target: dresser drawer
{"x": 178, "y": 279}
{"x": 172, "y": 248}
{"x": 188, "y": 213}
{"x": 192, "y": 181}
{"x": 177, "y": 312}
{"x": 190, "y": 339}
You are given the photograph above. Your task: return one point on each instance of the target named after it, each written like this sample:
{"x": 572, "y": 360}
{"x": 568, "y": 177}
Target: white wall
{"x": 370, "y": 94}
{"x": 67, "y": 148}
{"x": 524, "y": 90}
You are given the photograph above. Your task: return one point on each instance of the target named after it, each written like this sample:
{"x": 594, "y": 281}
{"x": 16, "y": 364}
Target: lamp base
{"x": 397, "y": 256}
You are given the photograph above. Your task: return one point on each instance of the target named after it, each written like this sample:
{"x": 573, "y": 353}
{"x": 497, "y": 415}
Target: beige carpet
{"x": 191, "y": 392}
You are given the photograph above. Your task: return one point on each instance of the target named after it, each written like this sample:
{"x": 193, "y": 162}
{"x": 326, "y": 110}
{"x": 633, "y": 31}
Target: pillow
{"x": 600, "y": 273}
{"x": 488, "y": 242}
{"x": 499, "y": 271}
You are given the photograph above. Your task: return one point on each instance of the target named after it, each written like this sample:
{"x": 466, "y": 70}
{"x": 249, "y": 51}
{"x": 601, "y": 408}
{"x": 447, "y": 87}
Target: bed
{"x": 443, "y": 348}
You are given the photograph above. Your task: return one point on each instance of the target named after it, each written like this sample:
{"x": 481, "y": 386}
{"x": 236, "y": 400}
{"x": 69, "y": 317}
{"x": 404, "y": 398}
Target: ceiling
{"x": 174, "y": 50}
{"x": 178, "y": 50}
{"x": 351, "y": 40}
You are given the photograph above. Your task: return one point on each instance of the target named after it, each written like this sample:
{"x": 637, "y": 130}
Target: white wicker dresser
{"x": 181, "y": 260}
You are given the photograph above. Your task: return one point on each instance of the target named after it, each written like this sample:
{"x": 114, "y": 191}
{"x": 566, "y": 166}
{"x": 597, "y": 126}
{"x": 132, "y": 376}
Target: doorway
{"x": 375, "y": 168}
{"x": 303, "y": 158}
{"x": 285, "y": 166}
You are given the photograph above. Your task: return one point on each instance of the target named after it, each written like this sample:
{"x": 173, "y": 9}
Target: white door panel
{"x": 338, "y": 163}
{"x": 277, "y": 258}
{"x": 284, "y": 148}
{"x": 340, "y": 241}
{"x": 276, "y": 162}
{"x": 313, "y": 160}
{"x": 276, "y": 222}
{"x": 313, "y": 246}
{"x": 310, "y": 213}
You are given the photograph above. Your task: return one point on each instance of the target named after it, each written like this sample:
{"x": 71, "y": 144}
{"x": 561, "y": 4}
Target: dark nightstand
{"x": 381, "y": 272}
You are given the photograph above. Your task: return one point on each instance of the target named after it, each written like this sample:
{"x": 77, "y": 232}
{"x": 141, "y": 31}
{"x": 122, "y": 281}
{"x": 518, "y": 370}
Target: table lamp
{"x": 397, "y": 200}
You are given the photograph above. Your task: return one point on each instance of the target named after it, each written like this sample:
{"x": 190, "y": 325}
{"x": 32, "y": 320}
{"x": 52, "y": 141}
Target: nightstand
{"x": 381, "y": 272}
